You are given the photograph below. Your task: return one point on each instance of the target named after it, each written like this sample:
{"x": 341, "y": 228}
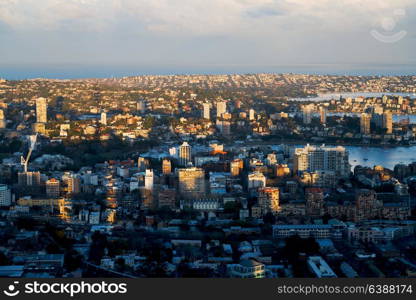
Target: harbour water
{"x": 330, "y": 96}
{"x": 386, "y": 157}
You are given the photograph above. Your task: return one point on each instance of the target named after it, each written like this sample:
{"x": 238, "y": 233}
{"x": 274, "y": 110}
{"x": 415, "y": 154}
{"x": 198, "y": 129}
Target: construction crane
{"x": 24, "y": 162}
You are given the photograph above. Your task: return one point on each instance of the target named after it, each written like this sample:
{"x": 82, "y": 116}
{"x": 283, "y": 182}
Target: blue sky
{"x": 213, "y": 35}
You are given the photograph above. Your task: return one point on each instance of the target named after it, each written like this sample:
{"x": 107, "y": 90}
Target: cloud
{"x": 192, "y": 31}
{"x": 191, "y": 16}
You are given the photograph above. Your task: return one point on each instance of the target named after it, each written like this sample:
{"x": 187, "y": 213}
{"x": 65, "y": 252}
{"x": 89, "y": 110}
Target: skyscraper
{"x": 185, "y": 154}
{"x": 365, "y": 123}
{"x": 206, "y": 111}
{"x": 166, "y": 166}
{"x": 41, "y": 110}
{"x": 221, "y": 108}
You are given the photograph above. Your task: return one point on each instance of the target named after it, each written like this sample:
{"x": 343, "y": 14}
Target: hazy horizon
{"x": 74, "y": 71}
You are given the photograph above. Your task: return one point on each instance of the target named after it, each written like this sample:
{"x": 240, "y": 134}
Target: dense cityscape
{"x": 241, "y": 176}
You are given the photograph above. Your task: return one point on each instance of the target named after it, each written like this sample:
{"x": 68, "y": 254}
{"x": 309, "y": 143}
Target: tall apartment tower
{"x": 307, "y": 111}
{"x": 185, "y": 154}
{"x": 221, "y": 108}
{"x": 322, "y": 114}
{"x": 52, "y": 188}
{"x": 206, "y": 111}
{"x": 269, "y": 200}
{"x": 365, "y": 123}
{"x": 2, "y": 119}
{"x": 5, "y": 195}
{"x": 103, "y": 118}
{"x": 149, "y": 180}
{"x": 41, "y": 110}
{"x": 388, "y": 122}
{"x": 312, "y": 159}
{"x": 251, "y": 114}
{"x": 166, "y": 166}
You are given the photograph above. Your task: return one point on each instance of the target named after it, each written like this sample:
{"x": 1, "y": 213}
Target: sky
{"x": 101, "y": 38}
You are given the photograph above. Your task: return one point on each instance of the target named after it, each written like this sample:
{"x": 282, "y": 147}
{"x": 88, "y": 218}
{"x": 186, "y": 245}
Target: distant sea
{"x": 73, "y": 71}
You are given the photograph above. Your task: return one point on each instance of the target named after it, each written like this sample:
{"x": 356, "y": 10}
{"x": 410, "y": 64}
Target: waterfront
{"x": 386, "y": 157}
{"x": 331, "y": 96}
{"x": 370, "y": 156}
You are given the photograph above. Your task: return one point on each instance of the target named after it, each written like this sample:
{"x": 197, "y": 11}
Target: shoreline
{"x": 303, "y": 142}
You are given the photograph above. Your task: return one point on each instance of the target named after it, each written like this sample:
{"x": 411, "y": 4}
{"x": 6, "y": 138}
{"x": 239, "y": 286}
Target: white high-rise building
{"x": 251, "y": 114}
{"x": 312, "y": 159}
{"x": 148, "y": 180}
{"x": 221, "y": 108}
{"x": 41, "y": 110}
{"x": 103, "y": 118}
{"x": 206, "y": 111}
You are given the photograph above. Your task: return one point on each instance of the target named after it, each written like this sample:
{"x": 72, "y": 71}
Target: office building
{"x": 5, "y": 195}
{"x": 192, "y": 182}
{"x": 52, "y": 188}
